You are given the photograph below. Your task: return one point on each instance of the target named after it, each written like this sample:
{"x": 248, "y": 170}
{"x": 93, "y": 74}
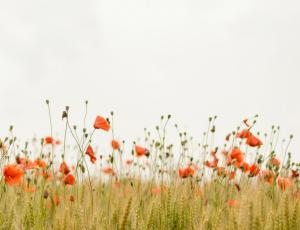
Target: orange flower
{"x": 89, "y": 151}
{"x": 56, "y": 200}
{"x": 214, "y": 162}
{"x": 275, "y": 161}
{"x": 268, "y": 176}
{"x": 117, "y": 184}
{"x": 253, "y": 141}
{"x": 244, "y": 166}
{"x": 254, "y": 170}
{"x": 57, "y": 142}
{"x": 244, "y": 134}
{"x": 25, "y": 163}
{"x": 231, "y": 175}
{"x": 156, "y": 191}
{"x": 129, "y": 162}
{"x": 140, "y": 151}
{"x": 237, "y": 154}
{"x": 69, "y": 179}
{"x": 40, "y": 163}
{"x": 284, "y": 183}
{"x": 184, "y": 173}
{"x": 29, "y": 189}
{"x": 221, "y": 171}
{"x": 108, "y": 170}
{"x": 232, "y": 203}
{"x": 115, "y": 145}
{"x": 12, "y": 174}
{"x": 101, "y": 123}
{"x": 63, "y": 168}
{"x": 48, "y": 140}
{"x": 46, "y": 175}
{"x": 198, "y": 192}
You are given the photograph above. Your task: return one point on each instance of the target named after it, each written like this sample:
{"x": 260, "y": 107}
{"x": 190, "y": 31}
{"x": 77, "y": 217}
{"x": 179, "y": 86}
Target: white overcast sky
{"x": 232, "y": 58}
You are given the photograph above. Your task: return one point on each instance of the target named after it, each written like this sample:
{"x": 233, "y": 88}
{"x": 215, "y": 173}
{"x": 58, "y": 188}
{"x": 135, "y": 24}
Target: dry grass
{"x": 133, "y": 206}
{"x": 160, "y": 188}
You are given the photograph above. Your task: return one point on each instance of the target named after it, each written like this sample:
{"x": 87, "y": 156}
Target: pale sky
{"x": 142, "y": 59}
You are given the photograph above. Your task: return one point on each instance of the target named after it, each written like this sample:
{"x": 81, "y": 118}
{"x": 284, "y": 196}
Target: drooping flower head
{"x": 141, "y": 151}
{"x": 101, "y": 123}
{"x": 64, "y": 168}
{"x": 69, "y": 179}
{"x": 254, "y": 141}
{"x": 90, "y": 152}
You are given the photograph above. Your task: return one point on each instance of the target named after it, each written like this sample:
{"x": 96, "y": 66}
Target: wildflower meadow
{"x": 247, "y": 182}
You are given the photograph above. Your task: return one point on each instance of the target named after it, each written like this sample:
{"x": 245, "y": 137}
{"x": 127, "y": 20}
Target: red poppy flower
{"x": 253, "y": 141}
{"x": 221, "y": 171}
{"x": 56, "y": 200}
{"x": 64, "y": 168}
{"x": 115, "y": 145}
{"x": 275, "y": 161}
{"x": 101, "y": 123}
{"x": 184, "y": 173}
{"x": 237, "y": 154}
{"x": 244, "y": 166}
{"x": 40, "y": 163}
{"x": 254, "y": 170}
{"x": 48, "y": 140}
{"x": 25, "y": 163}
{"x": 268, "y": 176}
{"x": 284, "y": 183}
{"x": 232, "y": 203}
{"x": 243, "y": 134}
{"x": 129, "y": 162}
{"x": 69, "y": 179}
{"x": 46, "y": 175}
{"x": 156, "y": 191}
{"x": 12, "y": 174}
{"x": 57, "y": 142}
{"x": 140, "y": 151}
{"x": 108, "y": 170}
{"x": 231, "y": 175}
{"x": 89, "y": 151}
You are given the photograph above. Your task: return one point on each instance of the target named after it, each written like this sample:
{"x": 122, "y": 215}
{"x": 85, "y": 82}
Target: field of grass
{"x": 150, "y": 184}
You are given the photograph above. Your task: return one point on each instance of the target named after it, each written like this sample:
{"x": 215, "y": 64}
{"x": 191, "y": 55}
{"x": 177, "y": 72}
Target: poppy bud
{"x": 72, "y": 198}
{"x": 46, "y": 194}
{"x": 64, "y": 115}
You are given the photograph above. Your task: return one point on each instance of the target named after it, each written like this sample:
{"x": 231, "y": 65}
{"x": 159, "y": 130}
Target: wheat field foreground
{"x": 247, "y": 182}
